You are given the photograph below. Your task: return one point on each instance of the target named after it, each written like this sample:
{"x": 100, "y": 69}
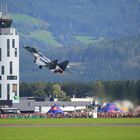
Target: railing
{"x": 7, "y": 31}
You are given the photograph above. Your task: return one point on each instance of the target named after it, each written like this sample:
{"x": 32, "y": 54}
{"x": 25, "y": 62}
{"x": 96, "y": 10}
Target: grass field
{"x": 21, "y": 18}
{"x": 87, "y": 39}
{"x": 46, "y": 37}
{"x": 70, "y": 129}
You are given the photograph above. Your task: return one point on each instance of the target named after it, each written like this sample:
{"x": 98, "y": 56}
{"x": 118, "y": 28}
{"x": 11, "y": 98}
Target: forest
{"x": 101, "y": 39}
{"x": 105, "y": 90}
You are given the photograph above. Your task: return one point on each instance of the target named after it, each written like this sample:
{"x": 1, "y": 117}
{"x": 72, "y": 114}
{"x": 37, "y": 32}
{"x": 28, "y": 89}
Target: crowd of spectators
{"x": 71, "y": 115}
{"x": 76, "y": 114}
{"x": 118, "y": 115}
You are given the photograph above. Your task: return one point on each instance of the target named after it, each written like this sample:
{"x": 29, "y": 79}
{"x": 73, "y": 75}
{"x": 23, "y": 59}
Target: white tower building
{"x": 9, "y": 60}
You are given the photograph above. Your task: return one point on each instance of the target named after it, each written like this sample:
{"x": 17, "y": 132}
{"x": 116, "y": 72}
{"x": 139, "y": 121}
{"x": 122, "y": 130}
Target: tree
{"x": 57, "y": 92}
{"x": 39, "y": 89}
{"x": 99, "y": 89}
{"x": 39, "y": 92}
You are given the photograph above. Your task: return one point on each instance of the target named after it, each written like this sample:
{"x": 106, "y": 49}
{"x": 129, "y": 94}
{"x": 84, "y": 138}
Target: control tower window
{"x": 14, "y": 89}
{"x": 11, "y": 67}
{"x": 0, "y": 90}
{"x": 0, "y": 54}
{"x": 8, "y": 91}
{"x": 15, "y": 52}
{"x": 2, "y": 70}
{"x": 8, "y": 47}
{"x": 13, "y": 43}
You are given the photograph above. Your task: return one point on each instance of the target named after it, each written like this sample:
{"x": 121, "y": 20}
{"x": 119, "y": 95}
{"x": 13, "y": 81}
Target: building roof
{"x": 29, "y": 105}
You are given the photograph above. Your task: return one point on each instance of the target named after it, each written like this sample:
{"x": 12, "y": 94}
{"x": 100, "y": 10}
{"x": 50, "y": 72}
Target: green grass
{"x": 21, "y": 18}
{"x": 87, "y": 39}
{"x": 26, "y": 28}
{"x": 69, "y": 132}
{"x": 46, "y": 37}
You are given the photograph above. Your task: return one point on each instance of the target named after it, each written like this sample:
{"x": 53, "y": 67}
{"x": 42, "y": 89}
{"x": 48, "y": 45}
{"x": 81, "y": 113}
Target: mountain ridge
{"x": 102, "y": 37}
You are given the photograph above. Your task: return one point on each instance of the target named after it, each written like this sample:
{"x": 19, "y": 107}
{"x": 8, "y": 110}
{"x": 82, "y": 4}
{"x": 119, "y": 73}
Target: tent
{"x": 55, "y": 109}
{"x": 110, "y": 107}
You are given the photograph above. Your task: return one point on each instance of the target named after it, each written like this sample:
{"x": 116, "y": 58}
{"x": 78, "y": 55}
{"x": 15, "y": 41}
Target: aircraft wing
{"x": 31, "y": 49}
{"x": 41, "y": 61}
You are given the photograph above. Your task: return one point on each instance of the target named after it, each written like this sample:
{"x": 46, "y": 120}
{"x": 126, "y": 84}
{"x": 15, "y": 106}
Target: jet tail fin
{"x": 63, "y": 65}
{"x": 53, "y": 64}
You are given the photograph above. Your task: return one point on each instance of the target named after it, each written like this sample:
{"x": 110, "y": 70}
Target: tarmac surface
{"x": 72, "y": 125}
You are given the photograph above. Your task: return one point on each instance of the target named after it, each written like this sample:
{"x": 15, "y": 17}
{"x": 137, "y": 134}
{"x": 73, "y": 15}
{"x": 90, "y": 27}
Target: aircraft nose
{"x": 26, "y": 47}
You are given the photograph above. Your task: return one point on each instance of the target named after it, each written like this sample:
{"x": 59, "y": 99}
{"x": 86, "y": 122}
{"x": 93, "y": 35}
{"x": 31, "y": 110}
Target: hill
{"x": 106, "y": 60}
{"x": 100, "y": 38}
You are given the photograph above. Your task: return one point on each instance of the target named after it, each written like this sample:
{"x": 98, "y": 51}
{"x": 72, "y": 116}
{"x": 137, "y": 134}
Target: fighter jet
{"x": 43, "y": 61}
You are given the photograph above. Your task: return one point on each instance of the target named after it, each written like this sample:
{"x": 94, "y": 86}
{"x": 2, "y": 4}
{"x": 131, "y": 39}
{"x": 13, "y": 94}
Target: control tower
{"x": 9, "y": 60}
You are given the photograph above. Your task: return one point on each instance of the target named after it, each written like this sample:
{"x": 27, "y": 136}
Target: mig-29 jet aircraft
{"x": 43, "y": 61}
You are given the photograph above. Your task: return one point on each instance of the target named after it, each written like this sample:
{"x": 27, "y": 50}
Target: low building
{"x": 87, "y": 99}
{"x": 43, "y": 106}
